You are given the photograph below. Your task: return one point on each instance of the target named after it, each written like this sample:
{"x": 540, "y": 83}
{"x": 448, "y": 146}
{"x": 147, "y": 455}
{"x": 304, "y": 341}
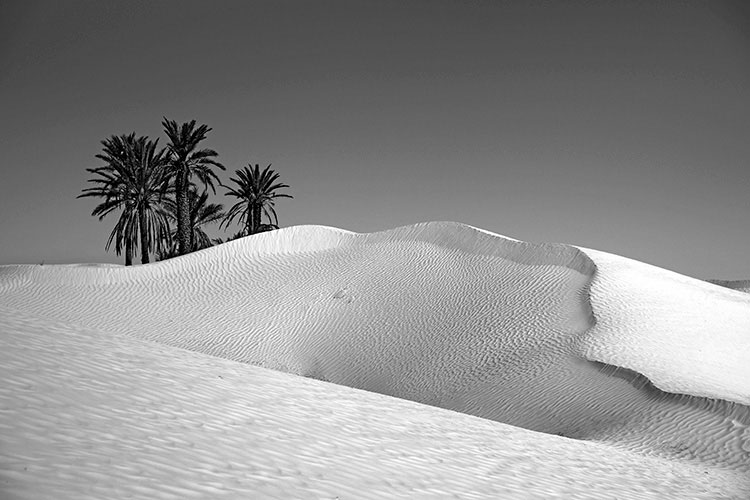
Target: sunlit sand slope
{"x": 546, "y": 337}
{"x": 90, "y": 415}
{"x": 687, "y": 336}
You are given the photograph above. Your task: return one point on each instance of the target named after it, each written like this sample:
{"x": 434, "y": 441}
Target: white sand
{"x": 437, "y": 313}
{"x": 687, "y": 336}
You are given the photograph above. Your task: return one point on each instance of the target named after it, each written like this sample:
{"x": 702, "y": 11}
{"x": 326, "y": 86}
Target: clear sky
{"x": 622, "y": 126}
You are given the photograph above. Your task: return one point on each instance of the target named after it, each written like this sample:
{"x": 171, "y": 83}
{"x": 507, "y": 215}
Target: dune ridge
{"x": 302, "y": 240}
{"x": 547, "y": 337}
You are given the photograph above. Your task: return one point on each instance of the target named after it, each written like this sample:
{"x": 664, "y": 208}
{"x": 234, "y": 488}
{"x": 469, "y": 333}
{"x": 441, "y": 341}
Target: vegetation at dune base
{"x": 200, "y": 214}
{"x": 185, "y": 162}
{"x": 160, "y": 208}
{"x": 131, "y": 181}
{"x": 256, "y": 192}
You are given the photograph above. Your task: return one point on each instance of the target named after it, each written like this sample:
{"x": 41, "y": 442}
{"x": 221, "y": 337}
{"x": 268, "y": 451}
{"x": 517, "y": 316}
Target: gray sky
{"x": 621, "y": 126}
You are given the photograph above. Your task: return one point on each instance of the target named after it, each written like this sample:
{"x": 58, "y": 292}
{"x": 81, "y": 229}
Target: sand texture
{"x": 635, "y": 379}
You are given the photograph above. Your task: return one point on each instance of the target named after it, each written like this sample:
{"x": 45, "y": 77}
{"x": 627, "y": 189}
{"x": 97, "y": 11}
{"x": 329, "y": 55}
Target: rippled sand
{"x": 636, "y": 377}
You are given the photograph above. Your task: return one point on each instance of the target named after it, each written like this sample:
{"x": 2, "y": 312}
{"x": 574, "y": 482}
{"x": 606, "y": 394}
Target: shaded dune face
{"x": 439, "y": 313}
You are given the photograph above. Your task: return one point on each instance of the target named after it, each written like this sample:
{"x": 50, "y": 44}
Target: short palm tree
{"x": 202, "y": 213}
{"x": 132, "y": 180}
{"x": 186, "y": 161}
{"x": 256, "y": 192}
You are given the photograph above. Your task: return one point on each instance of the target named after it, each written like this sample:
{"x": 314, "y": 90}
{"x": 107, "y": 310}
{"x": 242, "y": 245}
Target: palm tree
{"x": 109, "y": 187}
{"x": 147, "y": 177}
{"x": 256, "y": 192}
{"x": 201, "y": 214}
{"x": 131, "y": 180}
{"x": 187, "y": 161}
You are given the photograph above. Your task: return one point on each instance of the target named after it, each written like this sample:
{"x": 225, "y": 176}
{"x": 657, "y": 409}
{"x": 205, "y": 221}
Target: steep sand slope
{"x": 451, "y": 316}
{"x": 687, "y": 336}
{"x": 91, "y": 415}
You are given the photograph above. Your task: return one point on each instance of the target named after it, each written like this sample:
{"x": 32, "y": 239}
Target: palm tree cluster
{"x": 162, "y": 211}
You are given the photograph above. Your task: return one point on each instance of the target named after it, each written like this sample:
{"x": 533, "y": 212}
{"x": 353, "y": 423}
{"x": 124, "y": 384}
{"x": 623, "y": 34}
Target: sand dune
{"x": 91, "y": 415}
{"x": 634, "y": 362}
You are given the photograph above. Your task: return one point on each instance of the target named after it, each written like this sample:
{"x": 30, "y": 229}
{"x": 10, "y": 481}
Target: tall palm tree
{"x": 202, "y": 213}
{"x": 256, "y": 192}
{"x": 131, "y": 180}
{"x": 147, "y": 177}
{"x": 186, "y": 161}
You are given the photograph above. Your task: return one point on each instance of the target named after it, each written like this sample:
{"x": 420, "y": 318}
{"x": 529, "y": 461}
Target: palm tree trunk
{"x": 128, "y": 252}
{"x": 256, "y": 217}
{"x": 192, "y": 235}
{"x": 183, "y": 215}
{"x": 144, "y": 235}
